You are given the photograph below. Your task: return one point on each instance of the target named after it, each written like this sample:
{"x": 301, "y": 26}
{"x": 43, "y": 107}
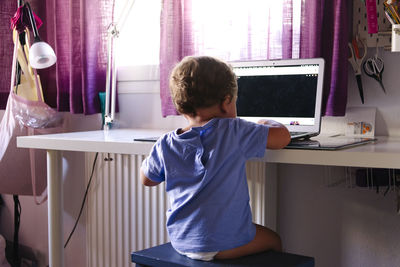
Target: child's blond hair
{"x": 201, "y": 82}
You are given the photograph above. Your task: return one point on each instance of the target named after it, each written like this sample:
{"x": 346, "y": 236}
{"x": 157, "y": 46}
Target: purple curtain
{"x": 335, "y": 37}
{"x": 324, "y": 33}
{"x": 170, "y": 49}
{"x": 77, "y": 31}
{"x": 321, "y": 31}
{"x": 7, "y": 10}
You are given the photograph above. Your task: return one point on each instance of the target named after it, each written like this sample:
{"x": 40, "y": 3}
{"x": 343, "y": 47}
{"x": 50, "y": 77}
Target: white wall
{"x": 342, "y": 226}
{"x": 339, "y": 226}
{"x": 140, "y": 110}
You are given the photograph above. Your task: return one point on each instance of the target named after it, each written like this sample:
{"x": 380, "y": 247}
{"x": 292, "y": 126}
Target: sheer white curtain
{"x": 236, "y": 30}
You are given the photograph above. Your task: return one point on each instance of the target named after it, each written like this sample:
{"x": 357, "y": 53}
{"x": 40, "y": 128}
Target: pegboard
{"x": 360, "y": 26}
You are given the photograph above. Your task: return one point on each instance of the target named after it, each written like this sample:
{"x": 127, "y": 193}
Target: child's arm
{"x": 146, "y": 181}
{"x": 278, "y": 135}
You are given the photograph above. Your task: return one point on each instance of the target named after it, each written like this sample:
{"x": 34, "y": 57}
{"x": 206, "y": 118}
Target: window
{"x": 139, "y": 39}
{"x": 251, "y": 29}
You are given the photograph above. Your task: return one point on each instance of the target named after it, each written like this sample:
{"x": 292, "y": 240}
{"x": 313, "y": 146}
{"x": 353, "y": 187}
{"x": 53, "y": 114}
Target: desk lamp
{"x": 111, "y": 78}
{"x": 41, "y": 55}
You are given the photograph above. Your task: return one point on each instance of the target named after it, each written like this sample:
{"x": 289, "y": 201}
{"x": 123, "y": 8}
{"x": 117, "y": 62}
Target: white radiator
{"x": 125, "y": 216}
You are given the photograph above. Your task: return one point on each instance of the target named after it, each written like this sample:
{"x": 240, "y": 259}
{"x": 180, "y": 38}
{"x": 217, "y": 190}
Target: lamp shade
{"x": 41, "y": 55}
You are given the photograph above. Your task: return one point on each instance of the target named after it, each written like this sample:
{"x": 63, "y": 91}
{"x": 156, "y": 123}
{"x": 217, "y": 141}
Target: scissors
{"x": 356, "y": 61}
{"x": 374, "y": 67}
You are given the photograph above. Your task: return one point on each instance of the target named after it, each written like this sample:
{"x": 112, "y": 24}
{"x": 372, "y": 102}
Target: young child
{"x": 203, "y": 165}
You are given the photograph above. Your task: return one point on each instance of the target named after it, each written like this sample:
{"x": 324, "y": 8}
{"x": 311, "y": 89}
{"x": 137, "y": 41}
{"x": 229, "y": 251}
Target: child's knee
{"x": 269, "y": 238}
{"x": 278, "y": 245}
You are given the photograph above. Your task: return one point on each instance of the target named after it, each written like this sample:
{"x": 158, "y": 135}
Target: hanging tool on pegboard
{"x": 358, "y": 51}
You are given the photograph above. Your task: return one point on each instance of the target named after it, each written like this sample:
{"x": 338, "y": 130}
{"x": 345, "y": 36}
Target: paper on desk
{"x": 360, "y": 121}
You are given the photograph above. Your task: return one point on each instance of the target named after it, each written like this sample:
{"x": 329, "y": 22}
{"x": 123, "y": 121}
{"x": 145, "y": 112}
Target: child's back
{"x": 203, "y": 165}
{"x": 204, "y": 171}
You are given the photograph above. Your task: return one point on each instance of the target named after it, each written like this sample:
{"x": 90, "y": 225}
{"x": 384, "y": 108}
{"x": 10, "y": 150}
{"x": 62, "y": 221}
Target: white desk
{"x": 382, "y": 154}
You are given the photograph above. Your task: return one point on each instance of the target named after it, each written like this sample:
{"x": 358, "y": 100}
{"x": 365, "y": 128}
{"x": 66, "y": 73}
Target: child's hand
{"x": 270, "y": 123}
{"x": 278, "y": 136}
{"x": 262, "y": 121}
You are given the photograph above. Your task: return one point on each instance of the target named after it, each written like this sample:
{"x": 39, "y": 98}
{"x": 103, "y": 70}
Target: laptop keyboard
{"x": 295, "y": 133}
{"x": 302, "y": 135}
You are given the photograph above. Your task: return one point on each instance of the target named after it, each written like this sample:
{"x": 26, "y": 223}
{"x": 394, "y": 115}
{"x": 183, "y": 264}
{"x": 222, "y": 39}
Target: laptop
{"x": 286, "y": 91}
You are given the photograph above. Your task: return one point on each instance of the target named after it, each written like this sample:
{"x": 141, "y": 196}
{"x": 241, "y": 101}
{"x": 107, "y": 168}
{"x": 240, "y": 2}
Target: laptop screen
{"x": 287, "y": 91}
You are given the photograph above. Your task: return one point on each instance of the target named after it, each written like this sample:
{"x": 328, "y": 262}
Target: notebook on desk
{"x": 286, "y": 91}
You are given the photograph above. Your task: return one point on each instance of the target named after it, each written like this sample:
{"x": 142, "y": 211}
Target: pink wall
{"x": 33, "y": 228}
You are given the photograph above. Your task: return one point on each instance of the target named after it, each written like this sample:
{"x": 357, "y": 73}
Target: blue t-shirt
{"x": 205, "y": 176}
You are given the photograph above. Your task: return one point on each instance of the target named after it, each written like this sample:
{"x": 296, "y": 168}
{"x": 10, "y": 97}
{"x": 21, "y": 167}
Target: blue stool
{"x": 166, "y": 256}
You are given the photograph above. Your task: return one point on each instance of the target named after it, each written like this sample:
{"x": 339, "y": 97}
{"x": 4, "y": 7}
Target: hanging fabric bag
{"x": 23, "y": 171}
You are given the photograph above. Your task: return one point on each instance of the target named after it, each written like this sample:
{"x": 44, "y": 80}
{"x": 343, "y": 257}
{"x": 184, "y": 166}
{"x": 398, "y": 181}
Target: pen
{"x": 389, "y": 18}
{"x": 391, "y": 9}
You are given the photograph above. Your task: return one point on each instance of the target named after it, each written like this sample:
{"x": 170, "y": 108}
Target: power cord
{"x": 84, "y": 200}
{"x": 17, "y": 220}
{"x": 91, "y": 174}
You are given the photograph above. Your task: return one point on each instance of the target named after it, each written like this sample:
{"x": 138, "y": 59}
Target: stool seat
{"x": 166, "y": 256}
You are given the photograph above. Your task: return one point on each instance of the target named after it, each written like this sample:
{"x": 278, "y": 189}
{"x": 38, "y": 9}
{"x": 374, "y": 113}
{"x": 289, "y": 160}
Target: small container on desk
{"x": 396, "y": 38}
